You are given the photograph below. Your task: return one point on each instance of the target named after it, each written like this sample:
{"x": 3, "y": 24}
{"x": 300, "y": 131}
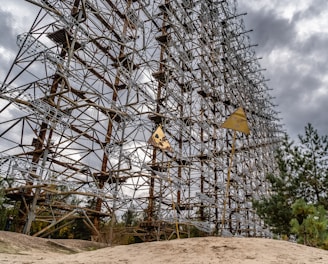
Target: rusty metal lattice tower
{"x": 91, "y": 82}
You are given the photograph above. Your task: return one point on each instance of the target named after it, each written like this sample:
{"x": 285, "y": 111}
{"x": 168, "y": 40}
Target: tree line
{"x": 297, "y": 205}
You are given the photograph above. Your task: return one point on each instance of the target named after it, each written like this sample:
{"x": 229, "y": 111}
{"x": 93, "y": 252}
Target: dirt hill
{"x": 18, "y": 248}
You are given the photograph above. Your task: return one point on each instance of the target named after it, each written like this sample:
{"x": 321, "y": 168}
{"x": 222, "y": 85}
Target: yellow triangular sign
{"x": 158, "y": 140}
{"x": 237, "y": 121}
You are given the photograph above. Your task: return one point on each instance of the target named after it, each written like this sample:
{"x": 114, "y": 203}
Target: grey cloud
{"x": 270, "y": 31}
{"x": 7, "y": 41}
{"x": 7, "y": 34}
{"x": 314, "y": 10}
{"x": 299, "y": 100}
{"x": 301, "y": 114}
{"x": 296, "y": 83}
{"x": 314, "y": 46}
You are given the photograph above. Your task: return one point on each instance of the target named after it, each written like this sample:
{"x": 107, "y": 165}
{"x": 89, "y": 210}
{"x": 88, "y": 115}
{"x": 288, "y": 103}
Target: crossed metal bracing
{"x": 92, "y": 80}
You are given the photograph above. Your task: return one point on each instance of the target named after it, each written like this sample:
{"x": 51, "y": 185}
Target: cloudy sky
{"x": 292, "y": 37}
{"x": 293, "y": 41}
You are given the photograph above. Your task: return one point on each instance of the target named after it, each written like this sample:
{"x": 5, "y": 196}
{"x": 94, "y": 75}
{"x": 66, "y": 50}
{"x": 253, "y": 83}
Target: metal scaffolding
{"x": 93, "y": 80}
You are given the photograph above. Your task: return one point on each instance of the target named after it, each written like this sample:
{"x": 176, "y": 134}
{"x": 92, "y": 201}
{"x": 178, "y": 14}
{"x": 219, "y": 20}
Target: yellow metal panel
{"x": 158, "y": 140}
{"x": 237, "y": 121}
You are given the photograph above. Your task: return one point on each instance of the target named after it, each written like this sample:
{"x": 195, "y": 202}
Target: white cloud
{"x": 6, "y": 55}
{"x": 312, "y": 25}
{"x": 283, "y": 9}
{"x": 23, "y": 14}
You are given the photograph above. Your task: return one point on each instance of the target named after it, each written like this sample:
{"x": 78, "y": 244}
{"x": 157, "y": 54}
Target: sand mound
{"x": 15, "y": 243}
{"x": 18, "y": 248}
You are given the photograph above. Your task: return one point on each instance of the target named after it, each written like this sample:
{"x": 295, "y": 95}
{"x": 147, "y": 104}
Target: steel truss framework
{"x": 91, "y": 82}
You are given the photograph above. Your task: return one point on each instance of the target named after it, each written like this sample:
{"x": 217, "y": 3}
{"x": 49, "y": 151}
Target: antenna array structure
{"x": 92, "y": 81}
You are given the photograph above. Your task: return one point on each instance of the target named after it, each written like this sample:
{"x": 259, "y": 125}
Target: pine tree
{"x": 309, "y": 224}
{"x": 312, "y": 167}
{"x": 302, "y": 174}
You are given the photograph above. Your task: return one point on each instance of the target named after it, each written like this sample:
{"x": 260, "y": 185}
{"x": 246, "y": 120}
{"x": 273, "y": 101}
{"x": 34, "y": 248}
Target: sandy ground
{"x": 17, "y": 248}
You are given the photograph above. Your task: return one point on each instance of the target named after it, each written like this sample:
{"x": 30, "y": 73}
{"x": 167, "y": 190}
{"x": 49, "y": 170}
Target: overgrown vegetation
{"x": 310, "y": 224}
{"x": 7, "y": 211}
{"x": 298, "y": 202}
